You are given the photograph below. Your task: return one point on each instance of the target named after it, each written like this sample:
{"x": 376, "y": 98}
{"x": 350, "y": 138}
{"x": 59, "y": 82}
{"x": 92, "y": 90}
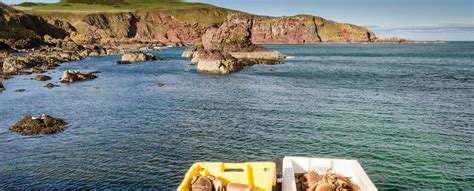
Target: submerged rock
{"x": 42, "y": 78}
{"x": 50, "y": 85}
{"x": 1, "y": 86}
{"x": 75, "y": 76}
{"x": 44, "y": 124}
{"x": 131, "y": 57}
{"x": 158, "y": 85}
{"x": 20, "y": 90}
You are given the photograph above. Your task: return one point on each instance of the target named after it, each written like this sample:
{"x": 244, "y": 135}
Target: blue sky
{"x": 412, "y": 19}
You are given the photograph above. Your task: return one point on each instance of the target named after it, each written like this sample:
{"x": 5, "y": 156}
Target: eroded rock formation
{"x": 229, "y": 48}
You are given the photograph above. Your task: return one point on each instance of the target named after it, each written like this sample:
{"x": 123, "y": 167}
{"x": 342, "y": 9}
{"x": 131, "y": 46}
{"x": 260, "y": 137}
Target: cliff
{"x": 187, "y": 23}
{"x": 20, "y": 30}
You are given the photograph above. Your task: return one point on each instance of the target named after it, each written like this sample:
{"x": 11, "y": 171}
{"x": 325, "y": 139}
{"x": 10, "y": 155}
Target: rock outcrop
{"x": 20, "y": 30}
{"x": 131, "y": 57}
{"x": 218, "y": 63}
{"x": 48, "y": 57}
{"x": 229, "y": 48}
{"x": 76, "y": 76}
{"x": 43, "y": 124}
{"x": 42, "y": 78}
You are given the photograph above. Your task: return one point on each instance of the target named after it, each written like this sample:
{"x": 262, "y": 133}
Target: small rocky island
{"x": 43, "y": 124}
{"x": 71, "y": 76}
{"x": 229, "y": 48}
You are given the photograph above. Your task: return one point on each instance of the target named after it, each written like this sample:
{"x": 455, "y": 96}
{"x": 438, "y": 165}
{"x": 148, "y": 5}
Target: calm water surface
{"x": 405, "y": 112}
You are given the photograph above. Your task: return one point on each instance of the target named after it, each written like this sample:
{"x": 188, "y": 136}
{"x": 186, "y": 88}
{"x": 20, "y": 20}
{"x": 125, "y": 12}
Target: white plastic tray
{"x": 349, "y": 168}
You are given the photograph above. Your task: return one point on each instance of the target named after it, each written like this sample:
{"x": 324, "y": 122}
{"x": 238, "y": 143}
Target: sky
{"x": 410, "y": 19}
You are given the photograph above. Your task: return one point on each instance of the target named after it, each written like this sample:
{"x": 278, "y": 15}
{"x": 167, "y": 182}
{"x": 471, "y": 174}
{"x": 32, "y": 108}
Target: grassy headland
{"x": 182, "y": 10}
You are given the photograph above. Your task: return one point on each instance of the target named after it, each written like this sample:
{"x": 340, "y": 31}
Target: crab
{"x": 330, "y": 181}
{"x": 212, "y": 183}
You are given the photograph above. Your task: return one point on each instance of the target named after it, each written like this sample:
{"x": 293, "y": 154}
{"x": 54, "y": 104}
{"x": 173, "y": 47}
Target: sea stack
{"x": 229, "y": 48}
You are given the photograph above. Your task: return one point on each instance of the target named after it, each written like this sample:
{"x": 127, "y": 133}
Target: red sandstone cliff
{"x": 162, "y": 27}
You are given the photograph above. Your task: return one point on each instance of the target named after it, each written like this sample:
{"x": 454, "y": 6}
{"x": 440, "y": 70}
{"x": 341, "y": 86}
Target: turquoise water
{"x": 405, "y": 112}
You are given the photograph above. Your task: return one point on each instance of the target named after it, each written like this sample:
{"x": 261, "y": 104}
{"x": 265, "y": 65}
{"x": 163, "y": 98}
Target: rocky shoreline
{"x": 223, "y": 48}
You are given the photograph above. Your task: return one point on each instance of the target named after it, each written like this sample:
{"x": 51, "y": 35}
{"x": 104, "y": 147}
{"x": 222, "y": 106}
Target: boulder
{"x": 43, "y": 124}
{"x": 218, "y": 63}
{"x": 42, "y": 78}
{"x": 20, "y": 90}
{"x": 131, "y": 57}
{"x": 190, "y": 51}
{"x": 75, "y": 76}
{"x": 1, "y": 86}
{"x": 196, "y": 57}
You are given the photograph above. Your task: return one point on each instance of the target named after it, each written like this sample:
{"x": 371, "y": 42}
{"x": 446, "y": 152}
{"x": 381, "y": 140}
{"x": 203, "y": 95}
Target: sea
{"x": 405, "y": 112}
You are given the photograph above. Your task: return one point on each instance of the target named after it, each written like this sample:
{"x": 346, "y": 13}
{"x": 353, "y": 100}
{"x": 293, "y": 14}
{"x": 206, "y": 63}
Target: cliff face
{"x": 127, "y": 27}
{"x": 157, "y": 26}
{"x": 168, "y": 26}
{"x": 21, "y": 30}
{"x": 306, "y": 29}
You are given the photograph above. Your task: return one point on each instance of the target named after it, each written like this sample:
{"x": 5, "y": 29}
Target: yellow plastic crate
{"x": 259, "y": 176}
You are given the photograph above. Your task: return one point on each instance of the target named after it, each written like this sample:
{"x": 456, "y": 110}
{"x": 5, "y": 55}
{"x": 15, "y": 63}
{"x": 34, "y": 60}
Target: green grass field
{"x": 129, "y": 5}
{"x": 199, "y": 12}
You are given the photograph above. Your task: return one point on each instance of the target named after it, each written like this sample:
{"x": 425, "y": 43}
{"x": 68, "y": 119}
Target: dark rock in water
{"x": 1, "y": 86}
{"x": 44, "y": 124}
{"x": 20, "y": 90}
{"x": 42, "y": 78}
{"x": 159, "y": 85}
{"x": 75, "y": 76}
{"x": 51, "y": 85}
{"x": 123, "y": 62}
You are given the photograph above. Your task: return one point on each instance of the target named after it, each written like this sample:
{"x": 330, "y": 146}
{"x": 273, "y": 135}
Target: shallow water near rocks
{"x": 405, "y": 112}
